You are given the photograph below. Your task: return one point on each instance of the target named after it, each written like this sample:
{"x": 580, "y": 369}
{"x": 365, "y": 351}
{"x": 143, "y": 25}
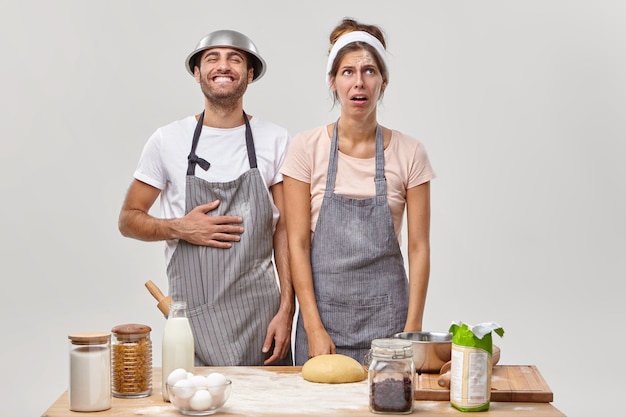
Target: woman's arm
{"x": 418, "y": 226}
{"x": 298, "y": 219}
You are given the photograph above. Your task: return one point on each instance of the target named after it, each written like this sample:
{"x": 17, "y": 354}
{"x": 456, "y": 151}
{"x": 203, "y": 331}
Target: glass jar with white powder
{"x": 90, "y": 371}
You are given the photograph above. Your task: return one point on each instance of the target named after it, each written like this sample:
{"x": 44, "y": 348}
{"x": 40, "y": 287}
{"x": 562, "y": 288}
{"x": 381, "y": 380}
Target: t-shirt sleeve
{"x": 421, "y": 170}
{"x": 150, "y": 168}
{"x": 281, "y": 153}
{"x": 297, "y": 163}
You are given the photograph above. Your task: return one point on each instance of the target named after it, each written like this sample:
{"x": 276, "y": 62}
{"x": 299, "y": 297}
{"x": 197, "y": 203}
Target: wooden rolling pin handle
{"x": 495, "y": 355}
{"x": 163, "y": 301}
{"x": 154, "y": 290}
{"x": 444, "y": 377}
{"x": 444, "y": 380}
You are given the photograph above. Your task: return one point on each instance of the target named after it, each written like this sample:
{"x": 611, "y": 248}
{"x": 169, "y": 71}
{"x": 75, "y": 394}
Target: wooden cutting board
{"x": 519, "y": 383}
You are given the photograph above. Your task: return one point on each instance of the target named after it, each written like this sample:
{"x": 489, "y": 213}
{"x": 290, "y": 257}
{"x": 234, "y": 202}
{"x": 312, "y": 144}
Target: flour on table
{"x": 258, "y": 390}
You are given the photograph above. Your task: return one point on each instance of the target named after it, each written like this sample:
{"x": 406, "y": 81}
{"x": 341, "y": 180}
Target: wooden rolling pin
{"x": 164, "y": 302}
{"x": 444, "y": 374}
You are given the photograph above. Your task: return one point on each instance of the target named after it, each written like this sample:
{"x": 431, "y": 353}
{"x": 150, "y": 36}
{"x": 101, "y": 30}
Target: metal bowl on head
{"x": 228, "y": 39}
{"x": 430, "y": 349}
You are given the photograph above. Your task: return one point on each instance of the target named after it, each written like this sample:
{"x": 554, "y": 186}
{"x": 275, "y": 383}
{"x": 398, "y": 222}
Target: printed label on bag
{"x": 470, "y": 377}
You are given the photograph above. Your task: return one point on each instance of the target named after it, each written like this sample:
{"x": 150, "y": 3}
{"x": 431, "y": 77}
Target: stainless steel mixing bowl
{"x": 230, "y": 39}
{"x": 430, "y": 349}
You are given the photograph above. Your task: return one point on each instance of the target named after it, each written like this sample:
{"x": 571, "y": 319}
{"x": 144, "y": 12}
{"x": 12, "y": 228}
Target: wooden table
{"x": 281, "y": 391}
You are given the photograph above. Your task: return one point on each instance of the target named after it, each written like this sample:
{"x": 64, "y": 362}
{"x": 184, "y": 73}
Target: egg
{"x": 180, "y": 403}
{"x": 218, "y": 398}
{"x": 184, "y": 388}
{"x": 176, "y": 375}
{"x": 201, "y": 400}
{"x": 216, "y": 380}
{"x": 199, "y": 381}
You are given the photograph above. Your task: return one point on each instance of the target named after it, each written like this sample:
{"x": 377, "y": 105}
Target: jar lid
{"x": 392, "y": 348}
{"x": 89, "y": 338}
{"x": 131, "y": 328}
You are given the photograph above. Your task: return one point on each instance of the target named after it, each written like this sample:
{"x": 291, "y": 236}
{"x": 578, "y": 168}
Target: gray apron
{"x": 231, "y": 294}
{"x": 359, "y": 278}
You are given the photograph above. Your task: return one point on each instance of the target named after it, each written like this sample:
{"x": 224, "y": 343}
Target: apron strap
{"x": 194, "y": 159}
{"x": 249, "y": 143}
{"x": 332, "y": 163}
{"x": 379, "y": 178}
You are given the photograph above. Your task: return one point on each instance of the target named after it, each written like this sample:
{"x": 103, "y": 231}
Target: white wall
{"x": 520, "y": 104}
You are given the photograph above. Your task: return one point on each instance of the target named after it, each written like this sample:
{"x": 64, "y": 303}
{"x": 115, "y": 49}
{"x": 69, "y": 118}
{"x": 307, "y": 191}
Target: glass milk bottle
{"x": 177, "y": 348}
{"x": 90, "y": 371}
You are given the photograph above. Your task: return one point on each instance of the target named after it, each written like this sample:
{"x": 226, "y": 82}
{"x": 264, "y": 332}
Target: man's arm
{"x": 195, "y": 227}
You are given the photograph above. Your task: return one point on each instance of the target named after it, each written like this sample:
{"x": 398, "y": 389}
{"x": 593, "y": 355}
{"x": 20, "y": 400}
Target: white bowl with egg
{"x": 198, "y": 395}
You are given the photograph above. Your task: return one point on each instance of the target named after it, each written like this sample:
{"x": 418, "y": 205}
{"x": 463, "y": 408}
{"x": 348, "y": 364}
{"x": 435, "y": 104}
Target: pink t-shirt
{"x": 406, "y": 166}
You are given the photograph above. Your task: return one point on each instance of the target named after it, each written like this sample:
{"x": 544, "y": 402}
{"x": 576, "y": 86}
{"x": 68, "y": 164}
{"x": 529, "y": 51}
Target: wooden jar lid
{"x": 131, "y": 331}
{"x": 89, "y": 338}
{"x": 131, "y": 328}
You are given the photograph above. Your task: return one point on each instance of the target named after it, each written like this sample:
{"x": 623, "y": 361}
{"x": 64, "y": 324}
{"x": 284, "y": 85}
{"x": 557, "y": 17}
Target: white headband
{"x": 355, "y": 36}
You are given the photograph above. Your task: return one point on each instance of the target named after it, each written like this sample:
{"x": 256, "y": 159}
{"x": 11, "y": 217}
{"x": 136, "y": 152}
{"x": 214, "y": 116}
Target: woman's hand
{"x": 320, "y": 343}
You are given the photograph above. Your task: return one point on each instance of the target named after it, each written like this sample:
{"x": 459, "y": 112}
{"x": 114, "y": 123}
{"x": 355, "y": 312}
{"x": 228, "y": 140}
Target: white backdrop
{"x": 521, "y": 106}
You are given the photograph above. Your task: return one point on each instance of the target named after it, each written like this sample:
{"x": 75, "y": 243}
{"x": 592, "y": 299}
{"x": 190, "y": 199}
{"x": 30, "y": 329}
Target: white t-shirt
{"x": 163, "y": 162}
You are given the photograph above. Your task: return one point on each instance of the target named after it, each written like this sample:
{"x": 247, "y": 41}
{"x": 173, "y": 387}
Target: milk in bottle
{"x": 177, "y": 350}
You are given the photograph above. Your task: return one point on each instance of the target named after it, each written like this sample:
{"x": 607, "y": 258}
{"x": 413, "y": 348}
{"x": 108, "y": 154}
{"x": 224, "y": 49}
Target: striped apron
{"x": 359, "y": 279}
{"x": 231, "y": 294}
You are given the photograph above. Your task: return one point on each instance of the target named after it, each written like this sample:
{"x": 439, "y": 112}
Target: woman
{"x": 346, "y": 186}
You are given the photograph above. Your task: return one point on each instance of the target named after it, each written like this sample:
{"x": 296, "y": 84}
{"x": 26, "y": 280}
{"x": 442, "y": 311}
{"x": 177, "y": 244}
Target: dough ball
{"x": 333, "y": 369}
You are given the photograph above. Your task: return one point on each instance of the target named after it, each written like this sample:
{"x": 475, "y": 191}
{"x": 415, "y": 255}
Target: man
{"x": 221, "y": 201}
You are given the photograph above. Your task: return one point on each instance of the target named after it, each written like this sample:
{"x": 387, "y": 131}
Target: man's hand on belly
{"x": 215, "y": 231}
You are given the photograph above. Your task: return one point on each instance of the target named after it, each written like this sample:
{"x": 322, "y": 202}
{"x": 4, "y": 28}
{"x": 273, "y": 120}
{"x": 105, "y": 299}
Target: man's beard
{"x": 223, "y": 99}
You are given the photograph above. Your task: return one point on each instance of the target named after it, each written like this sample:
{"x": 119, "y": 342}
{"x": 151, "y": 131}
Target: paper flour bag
{"x": 470, "y": 371}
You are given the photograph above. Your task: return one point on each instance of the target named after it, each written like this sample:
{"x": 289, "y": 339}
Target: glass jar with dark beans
{"x": 391, "y": 376}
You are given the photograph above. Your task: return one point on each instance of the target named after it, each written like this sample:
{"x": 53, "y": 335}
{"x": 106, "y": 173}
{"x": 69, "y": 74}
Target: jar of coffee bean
{"x": 390, "y": 376}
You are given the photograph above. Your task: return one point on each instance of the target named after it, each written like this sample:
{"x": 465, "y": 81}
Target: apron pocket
{"x": 355, "y": 323}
